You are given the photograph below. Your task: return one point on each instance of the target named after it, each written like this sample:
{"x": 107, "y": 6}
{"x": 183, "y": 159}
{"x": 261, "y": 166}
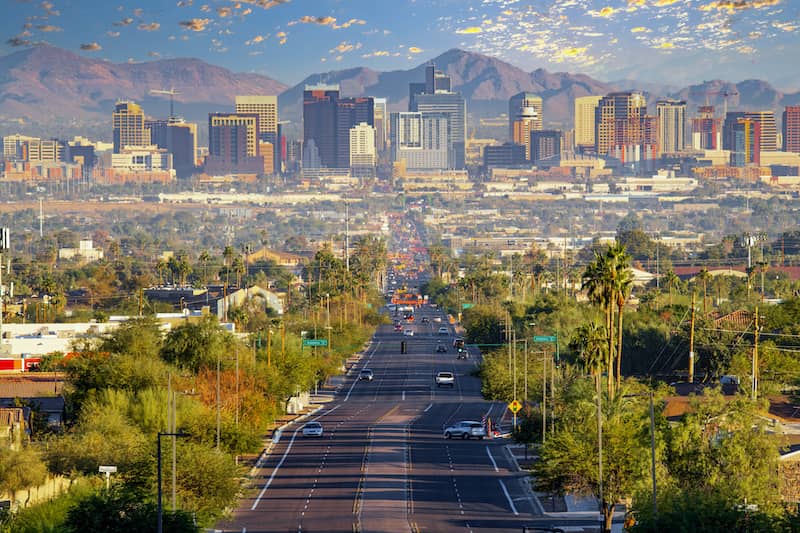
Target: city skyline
{"x": 675, "y": 41}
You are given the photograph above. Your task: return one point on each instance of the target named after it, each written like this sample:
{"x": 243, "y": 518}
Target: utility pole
{"x": 691, "y": 345}
{"x": 755, "y": 356}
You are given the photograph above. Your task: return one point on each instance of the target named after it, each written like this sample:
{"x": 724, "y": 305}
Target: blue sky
{"x": 675, "y": 41}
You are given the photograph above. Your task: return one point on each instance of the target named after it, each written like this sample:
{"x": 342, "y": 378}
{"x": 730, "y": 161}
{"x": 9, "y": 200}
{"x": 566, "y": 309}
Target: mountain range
{"x": 50, "y": 91}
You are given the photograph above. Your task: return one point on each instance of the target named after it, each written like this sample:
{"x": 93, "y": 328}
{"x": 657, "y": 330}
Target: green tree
{"x": 569, "y": 458}
{"x": 21, "y": 470}
{"x": 197, "y": 344}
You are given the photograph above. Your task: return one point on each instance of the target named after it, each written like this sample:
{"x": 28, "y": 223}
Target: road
{"x": 382, "y": 464}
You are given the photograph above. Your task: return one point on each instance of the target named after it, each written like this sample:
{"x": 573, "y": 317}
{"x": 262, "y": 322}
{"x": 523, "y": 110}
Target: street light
{"x": 179, "y": 434}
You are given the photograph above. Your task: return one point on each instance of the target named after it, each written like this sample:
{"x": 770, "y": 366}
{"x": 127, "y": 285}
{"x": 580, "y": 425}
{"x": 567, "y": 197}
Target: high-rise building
{"x": 420, "y": 140}
{"x": 434, "y": 97}
{"x": 12, "y": 145}
{"x": 128, "y": 124}
{"x": 545, "y": 144}
{"x": 363, "y": 154}
{"x": 381, "y": 117}
{"x": 39, "y": 150}
{"x": 504, "y": 156}
{"x": 705, "y": 129}
{"x": 769, "y": 130}
{"x": 179, "y": 138}
{"x": 233, "y": 143}
{"x": 454, "y": 108}
{"x": 524, "y": 117}
{"x": 742, "y": 136}
{"x": 671, "y": 138}
{"x": 436, "y": 80}
{"x": 791, "y": 128}
{"x": 585, "y": 108}
{"x": 349, "y": 113}
{"x": 618, "y": 122}
{"x": 319, "y": 122}
{"x": 266, "y": 107}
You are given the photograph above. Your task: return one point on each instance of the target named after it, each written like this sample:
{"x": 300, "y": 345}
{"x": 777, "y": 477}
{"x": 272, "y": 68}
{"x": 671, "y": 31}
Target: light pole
{"x": 652, "y": 446}
{"x": 179, "y": 434}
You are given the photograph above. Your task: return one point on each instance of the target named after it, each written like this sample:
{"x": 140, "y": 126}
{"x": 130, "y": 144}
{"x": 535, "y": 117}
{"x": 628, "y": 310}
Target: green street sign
{"x": 466, "y": 306}
{"x": 545, "y": 338}
{"x": 315, "y": 342}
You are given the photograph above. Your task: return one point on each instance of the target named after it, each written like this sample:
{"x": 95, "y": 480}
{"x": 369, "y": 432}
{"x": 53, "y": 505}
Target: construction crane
{"x": 171, "y": 92}
{"x": 724, "y": 94}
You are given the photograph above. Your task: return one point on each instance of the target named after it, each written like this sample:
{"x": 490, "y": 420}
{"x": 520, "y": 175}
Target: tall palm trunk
{"x": 610, "y": 354}
{"x": 620, "y": 304}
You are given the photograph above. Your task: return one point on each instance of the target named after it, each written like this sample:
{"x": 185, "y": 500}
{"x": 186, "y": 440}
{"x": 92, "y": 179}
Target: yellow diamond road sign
{"x": 515, "y": 406}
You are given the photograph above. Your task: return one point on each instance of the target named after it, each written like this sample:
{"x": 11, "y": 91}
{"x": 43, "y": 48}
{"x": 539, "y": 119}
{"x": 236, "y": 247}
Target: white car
{"x": 466, "y": 429}
{"x": 443, "y": 331}
{"x": 312, "y": 429}
{"x": 437, "y": 319}
{"x": 445, "y": 379}
{"x": 409, "y": 333}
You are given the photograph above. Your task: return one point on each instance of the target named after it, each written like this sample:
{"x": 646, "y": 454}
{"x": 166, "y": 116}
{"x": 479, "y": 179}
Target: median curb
{"x": 525, "y": 481}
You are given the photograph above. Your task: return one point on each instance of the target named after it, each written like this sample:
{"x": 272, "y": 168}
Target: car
{"x": 441, "y": 348}
{"x": 398, "y": 327}
{"x": 466, "y": 429}
{"x": 445, "y": 379}
{"x": 409, "y": 333}
{"x": 425, "y": 320}
{"x": 443, "y": 331}
{"x": 462, "y": 354}
{"x": 312, "y": 429}
{"x": 437, "y": 319}
{"x": 366, "y": 375}
{"x": 458, "y": 342}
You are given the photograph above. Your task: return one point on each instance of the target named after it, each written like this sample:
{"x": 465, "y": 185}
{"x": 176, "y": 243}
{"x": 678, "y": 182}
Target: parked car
{"x": 445, "y": 379}
{"x": 312, "y": 429}
{"x": 366, "y": 375}
{"x": 441, "y": 348}
{"x": 465, "y": 429}
{"x": 443, "y": 331}
{"x": 409, "y": 333}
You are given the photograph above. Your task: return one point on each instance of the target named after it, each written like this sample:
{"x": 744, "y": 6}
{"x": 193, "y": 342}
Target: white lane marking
{"x": 285, "y": 454}
{"x": 356, "y": 380}
{"x": 404, "y": 395}
{"x": 428, "y": 408}
{"x": 275, "y": 471}
{"x": 489, "y": 453}
{"x": 508, "y": 497}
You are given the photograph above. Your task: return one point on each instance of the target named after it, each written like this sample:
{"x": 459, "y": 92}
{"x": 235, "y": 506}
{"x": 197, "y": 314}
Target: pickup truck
{"x": 445, "y": 379}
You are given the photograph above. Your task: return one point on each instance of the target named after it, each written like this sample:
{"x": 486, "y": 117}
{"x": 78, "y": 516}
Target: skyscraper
{"x": 266, "y": 107}
{"x": 585, "y": 107}
{"x": 434, "y": 97}
{"x": 618, "y": 122}
{"x": 671, "y": 138}
{"x": 363, "y": 154}
{"x": 319, "y": 122}
{"x": 454, "y": 108}
{"x": 128, "y": 124}
{"x": 705, "y": 129}
{"x": 742, "y": 136}
{"x": 233, "y": 143}
{"x": 791, "y": 128}
{"x": 421, "y": 140}
{"x": 349, "y": 113}
{"x": 180, "y": 139}
{"x": 545, "y": 144}
{"x": 381, "y": 117}
{"x": 769, "y": 130}
{"x": 524, "y": 116}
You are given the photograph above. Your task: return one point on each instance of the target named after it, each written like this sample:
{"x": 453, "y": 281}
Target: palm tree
{"x": 622, "y": 281}
{"x": 671, "y": 280}
{"x": 704, "y": 277}
{"x": 227, "y": 256}
{"x": 590, "y": 342}
{"x": 239, "y": 269}
{"x": 161, "y": 267}
{"x": 598, "y": 283}
{"x": 205, "y": 257}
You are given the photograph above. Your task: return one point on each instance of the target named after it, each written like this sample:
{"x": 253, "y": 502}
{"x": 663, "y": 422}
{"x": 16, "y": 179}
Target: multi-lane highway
{"x": 382, "y": 464}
